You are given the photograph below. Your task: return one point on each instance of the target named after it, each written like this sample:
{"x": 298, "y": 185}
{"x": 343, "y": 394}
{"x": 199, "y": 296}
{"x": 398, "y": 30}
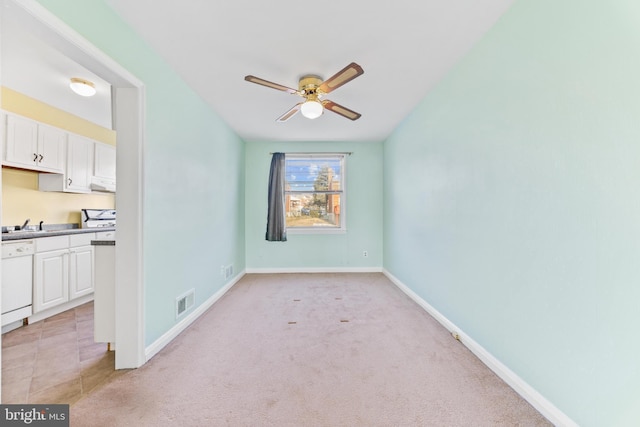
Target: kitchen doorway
{"x": 128, "y": 116}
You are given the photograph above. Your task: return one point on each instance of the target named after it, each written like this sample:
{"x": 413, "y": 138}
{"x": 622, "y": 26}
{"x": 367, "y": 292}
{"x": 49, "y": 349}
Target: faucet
{"x": 25, "y": 224}
{"x": 40, "y": 226}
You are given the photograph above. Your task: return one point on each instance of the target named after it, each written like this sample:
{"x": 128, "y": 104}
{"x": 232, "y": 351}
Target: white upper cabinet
{"x": 105, "y": 161}
{"x": 51, "y": 143}
{"x": 73, "y": 163}
{"x": 79, "y": 163}
{"x": 21, "y": 141}
{"x": 78, "y": 170}
{"x": 33, "y": 145}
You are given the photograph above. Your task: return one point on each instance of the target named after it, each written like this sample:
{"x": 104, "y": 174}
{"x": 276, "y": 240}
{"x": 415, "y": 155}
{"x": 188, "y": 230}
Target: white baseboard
{"x": 168, "y": 336}
{"x": 546, "y": 408}
{"x": 314, "y": 270}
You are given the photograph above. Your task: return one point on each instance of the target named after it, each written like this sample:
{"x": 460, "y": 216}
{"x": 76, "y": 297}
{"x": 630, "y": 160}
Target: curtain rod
{"x": 348, "y": 153}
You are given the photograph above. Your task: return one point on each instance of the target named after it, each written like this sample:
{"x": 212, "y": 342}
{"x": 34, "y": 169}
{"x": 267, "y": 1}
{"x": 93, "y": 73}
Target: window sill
{"x": 315, "y": 230}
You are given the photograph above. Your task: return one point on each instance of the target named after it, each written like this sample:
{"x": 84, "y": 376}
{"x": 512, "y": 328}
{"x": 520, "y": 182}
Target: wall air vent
{"x": 185, "y": 302}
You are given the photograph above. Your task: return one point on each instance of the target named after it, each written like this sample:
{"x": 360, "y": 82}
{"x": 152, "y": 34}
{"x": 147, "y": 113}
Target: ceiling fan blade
{"x": 339, "y": 109}
{"x": 343, "y": 76}
{"x": 292, "y": 112}
{"x": 257, "y": 80}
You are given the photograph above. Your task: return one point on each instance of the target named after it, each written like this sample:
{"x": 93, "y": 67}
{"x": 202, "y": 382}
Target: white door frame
{"x": 129, "y": 119}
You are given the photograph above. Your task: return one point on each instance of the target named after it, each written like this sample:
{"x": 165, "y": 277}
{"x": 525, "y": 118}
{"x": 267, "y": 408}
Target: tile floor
{"x": 54, "y": 360}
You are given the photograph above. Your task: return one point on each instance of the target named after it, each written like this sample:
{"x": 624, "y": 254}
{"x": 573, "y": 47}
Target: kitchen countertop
{"x": 20, "y": 235}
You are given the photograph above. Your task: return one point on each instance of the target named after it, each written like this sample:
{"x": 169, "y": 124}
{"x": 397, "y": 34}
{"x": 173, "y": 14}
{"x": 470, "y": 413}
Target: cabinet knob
{"x": 41, "y": 157}
{"x": 69, "y": 181}
{"x": 35, "y": 157}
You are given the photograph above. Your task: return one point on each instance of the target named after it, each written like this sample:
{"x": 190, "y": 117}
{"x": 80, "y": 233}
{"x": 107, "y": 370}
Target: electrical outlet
{"x": 222, "y": 270}
{"x": 365, "y": 254}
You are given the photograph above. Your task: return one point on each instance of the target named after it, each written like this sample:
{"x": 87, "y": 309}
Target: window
{"x": 315, "y": 193}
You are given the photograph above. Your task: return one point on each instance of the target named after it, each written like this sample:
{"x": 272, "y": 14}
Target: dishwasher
{"x": 17, "y": 280}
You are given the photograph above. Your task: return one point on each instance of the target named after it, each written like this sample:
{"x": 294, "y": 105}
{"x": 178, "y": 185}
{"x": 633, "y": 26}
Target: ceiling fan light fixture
{"x": 311, "y": 109}
{"x": 82, "y": 87}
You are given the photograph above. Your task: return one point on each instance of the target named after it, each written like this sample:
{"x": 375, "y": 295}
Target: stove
{"x": 98, "y": 218}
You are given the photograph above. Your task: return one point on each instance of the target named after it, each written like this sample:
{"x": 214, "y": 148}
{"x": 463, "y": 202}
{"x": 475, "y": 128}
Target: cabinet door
{"x": 79, "y": 164}
{"x": 51, "y": 279}
{"x": 22, "y": 142}
{"x": 51, "y": 148}
{"x": 80, "y": 271}
{"x": 105, "y": 161}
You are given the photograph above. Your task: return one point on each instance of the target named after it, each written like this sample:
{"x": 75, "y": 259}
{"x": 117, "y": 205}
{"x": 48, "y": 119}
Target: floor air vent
{"x": 184, "y": 302}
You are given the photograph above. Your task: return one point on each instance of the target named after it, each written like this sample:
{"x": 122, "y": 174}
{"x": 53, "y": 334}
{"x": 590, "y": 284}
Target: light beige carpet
{"x": 310, "y": 350}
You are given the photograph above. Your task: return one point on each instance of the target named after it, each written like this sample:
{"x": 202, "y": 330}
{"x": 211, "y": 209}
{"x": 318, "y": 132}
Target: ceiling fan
{"x": 313, "y": 89}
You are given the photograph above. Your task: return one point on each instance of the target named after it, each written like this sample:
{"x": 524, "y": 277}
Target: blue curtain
{"x": 276, "y": 225}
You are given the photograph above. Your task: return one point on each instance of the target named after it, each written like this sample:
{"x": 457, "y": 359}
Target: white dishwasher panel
{"x": 17, "y": 280}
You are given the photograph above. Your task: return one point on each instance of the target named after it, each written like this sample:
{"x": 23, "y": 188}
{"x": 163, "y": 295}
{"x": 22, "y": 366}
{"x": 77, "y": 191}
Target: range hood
{"x": 103, "y": 185}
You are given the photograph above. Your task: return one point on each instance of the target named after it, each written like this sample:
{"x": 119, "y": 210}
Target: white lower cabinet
{"x": 51, "y": 279}
{"x": 80, "y": 271}
{"x": 106, "y": 235}
{"x": 63, "y": 270}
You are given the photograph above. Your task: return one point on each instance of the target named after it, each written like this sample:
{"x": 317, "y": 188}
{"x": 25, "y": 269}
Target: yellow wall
{"x": 29, "y": 107}
{"x": 20, "y": 196}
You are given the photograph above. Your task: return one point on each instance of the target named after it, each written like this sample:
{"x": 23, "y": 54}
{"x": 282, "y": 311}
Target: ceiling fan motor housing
{"x": 308, "y": 85}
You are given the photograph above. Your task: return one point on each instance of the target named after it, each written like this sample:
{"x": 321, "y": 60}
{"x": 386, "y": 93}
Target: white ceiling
{"x": 33, "y": 67}
{"x": 404, "y": 47}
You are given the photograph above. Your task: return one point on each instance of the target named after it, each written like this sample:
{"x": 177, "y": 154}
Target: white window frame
{"x": 342, "y": 228}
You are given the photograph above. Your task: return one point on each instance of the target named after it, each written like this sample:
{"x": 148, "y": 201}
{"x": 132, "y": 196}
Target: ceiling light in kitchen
{"x": 82, "y": 87}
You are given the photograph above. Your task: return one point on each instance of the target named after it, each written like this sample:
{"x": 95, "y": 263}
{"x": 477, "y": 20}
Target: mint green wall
{"x": 511, "y": 197}
{"x": 335, "y": 251}
{"x": 512, "y": 202}
{"x": 193, "y": 172}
